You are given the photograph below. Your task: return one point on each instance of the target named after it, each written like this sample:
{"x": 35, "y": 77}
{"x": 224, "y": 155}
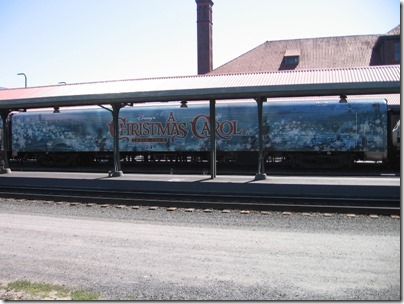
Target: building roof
{"x": 395, "y": 31}
{"x": 320, "y": 82}
{"x": 314, "y": 53}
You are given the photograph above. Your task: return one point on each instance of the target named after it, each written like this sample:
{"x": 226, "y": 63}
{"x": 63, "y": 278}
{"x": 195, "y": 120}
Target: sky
{"x": 74, "y": 41}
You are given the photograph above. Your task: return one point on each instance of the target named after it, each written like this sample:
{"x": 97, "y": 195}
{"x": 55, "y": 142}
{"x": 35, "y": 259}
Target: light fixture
{"x": 25, "y": 76}
{"x": 183, "y": 104}
{"x": 56, "y": 110}
{"x": 343, "y": 98}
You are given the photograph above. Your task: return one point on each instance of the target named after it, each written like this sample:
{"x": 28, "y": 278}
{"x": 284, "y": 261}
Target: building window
{"x": 292, "y": 60}
{"x": 291, "y": 57}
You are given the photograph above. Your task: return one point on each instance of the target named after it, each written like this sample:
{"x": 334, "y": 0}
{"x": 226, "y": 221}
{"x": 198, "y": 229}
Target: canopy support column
{"x": 5, "y": 168}
{"x": 117, "y": 171}
{"x": 116, "y": 107}
{"x": 212, "y": 109}
{"x": 261, "y": 175}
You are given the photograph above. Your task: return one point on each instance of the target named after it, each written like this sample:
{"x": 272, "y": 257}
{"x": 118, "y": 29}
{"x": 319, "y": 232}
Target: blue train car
{"x": 352, "y": 130}
{"x": 148, "y": 128}
{"x": 293, "y": 130}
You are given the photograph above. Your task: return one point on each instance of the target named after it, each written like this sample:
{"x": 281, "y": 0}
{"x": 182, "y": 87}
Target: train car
{"x": 305, "y": 134}
{"x": 328, "y": 133}
{"x": 145, "y": 132}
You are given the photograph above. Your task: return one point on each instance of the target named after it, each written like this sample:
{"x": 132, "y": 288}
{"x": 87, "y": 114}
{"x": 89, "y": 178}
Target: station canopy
{"x": 319, "y": 82}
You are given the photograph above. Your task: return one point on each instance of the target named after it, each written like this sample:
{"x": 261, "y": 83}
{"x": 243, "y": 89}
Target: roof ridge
{"x": 105, "y": 81}
{"x": 309, "y": 70}
{"x": 218, "y": 75}
{"x": 325, "y": 37}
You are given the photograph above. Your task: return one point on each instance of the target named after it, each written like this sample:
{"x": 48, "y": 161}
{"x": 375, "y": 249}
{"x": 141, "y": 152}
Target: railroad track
{"x": 359, "y": 169}
{"x": 382, "y": 206}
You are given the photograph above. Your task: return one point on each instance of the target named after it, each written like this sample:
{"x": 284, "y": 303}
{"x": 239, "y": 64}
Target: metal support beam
{"x": 116, "y": 107}
{"x": 5, "y": 168}
{"x": 117, "y": 159}
{"x": 261, "y": 161}
{"x": 212, "y": 109}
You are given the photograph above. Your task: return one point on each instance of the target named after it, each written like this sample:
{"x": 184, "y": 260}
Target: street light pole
{"x": 25, "y": 78}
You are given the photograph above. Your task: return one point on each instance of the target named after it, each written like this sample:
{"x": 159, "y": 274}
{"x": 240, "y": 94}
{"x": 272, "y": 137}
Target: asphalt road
{"x": 156, "y": 254}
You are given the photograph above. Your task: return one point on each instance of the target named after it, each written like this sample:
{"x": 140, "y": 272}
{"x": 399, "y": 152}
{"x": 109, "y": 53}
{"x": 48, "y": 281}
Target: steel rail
{"x": 217, "y": 201}
{"x": 198, "y": 195}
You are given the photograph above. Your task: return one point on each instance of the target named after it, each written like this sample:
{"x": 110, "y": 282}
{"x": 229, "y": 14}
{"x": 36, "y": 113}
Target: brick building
{"x": 342, "y": 52}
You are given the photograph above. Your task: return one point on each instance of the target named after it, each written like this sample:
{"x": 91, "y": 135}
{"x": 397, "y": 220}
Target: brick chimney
{"x": 204, "y": 23}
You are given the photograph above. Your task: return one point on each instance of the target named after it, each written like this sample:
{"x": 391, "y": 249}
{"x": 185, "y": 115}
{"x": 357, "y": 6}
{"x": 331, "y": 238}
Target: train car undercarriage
{"x": 330, "y": 160}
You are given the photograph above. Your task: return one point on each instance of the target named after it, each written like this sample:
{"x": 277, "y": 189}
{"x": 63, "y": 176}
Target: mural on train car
{"x": 140, "y": 129}
{"x": 304, "y": 126}
{"x": 47, "y": 131}
{"x": 327, "y": 126}
{"x": 151, "y": 129}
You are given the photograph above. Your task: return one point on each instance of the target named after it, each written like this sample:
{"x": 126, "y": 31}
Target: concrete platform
{"x": 370, "y": 187}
